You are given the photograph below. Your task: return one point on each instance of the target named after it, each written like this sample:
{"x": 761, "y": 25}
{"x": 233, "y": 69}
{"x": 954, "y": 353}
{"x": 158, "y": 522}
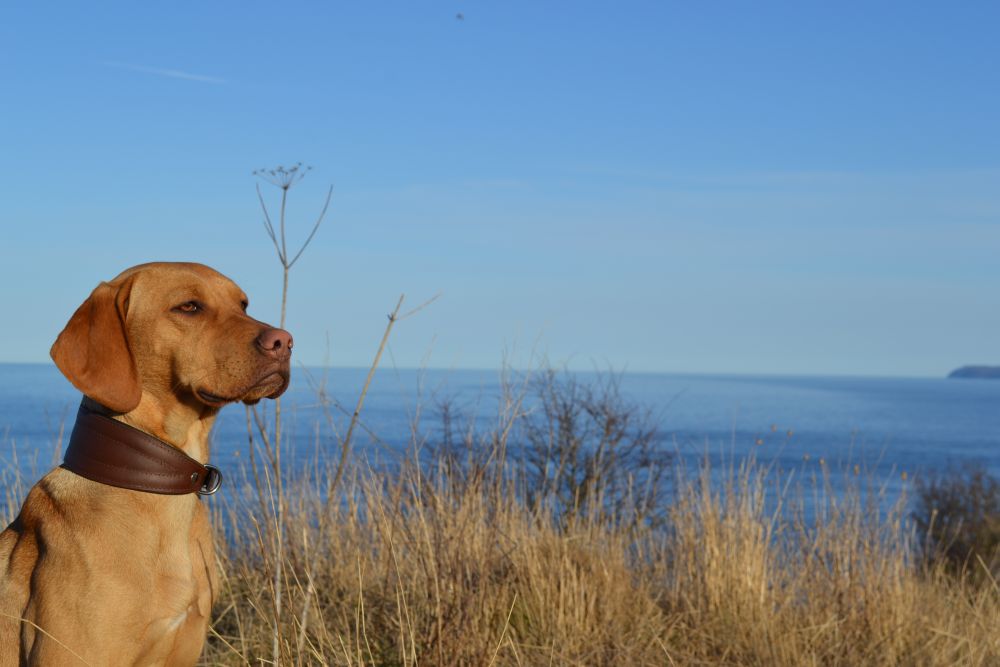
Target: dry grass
{"x": 424, "y": 564}
{"x": 458, "y": 563}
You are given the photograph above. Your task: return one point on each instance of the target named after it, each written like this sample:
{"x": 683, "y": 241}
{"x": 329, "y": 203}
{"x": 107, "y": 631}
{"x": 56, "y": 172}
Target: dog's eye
{"x": 189, "y": 308}
{"x": 244, "y": 304}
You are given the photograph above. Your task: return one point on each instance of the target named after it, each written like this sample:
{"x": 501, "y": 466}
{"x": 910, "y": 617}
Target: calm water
{"x": 886, "y": 425}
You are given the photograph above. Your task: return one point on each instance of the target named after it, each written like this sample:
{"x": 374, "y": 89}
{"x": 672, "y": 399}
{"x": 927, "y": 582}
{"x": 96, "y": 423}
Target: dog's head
{"x": 171, "y": 329}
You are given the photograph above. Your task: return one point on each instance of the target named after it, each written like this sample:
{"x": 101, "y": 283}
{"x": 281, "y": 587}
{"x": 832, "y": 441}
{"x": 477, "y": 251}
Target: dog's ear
{"x": 93, "y": 350}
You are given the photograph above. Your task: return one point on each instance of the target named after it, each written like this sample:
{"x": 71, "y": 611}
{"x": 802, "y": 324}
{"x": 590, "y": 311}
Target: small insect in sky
{"x": 460, "y": 16}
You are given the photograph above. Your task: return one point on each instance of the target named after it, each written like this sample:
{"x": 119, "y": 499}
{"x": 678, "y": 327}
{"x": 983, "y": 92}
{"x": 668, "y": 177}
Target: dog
{"x": 93, "y": 573}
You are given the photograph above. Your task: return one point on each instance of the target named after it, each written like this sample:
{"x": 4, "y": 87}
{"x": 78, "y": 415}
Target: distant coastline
{"x": 978, "y": 372}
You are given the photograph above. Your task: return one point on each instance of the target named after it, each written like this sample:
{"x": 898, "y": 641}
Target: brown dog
{"x": 100, "y": 575}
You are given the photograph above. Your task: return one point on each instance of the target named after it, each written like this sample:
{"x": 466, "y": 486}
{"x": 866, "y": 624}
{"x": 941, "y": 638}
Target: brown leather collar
{"x": 107, "y": 451}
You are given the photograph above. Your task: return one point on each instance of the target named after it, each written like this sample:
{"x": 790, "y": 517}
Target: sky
{"x": 773, "y": 187}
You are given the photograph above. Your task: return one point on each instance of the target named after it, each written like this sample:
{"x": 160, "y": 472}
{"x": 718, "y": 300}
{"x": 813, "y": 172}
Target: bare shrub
{"x": 588, "y": 450}
{"x": 573, "y": 448}
{"x": 957, "y": 515}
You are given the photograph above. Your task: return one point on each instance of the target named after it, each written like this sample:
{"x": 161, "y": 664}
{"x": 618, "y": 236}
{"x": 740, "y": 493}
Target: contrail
{"x": 172, "y": 73}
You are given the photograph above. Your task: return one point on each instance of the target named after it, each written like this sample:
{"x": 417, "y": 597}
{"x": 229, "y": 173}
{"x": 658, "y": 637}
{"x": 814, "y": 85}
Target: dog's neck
{"x": 183, "y": 424}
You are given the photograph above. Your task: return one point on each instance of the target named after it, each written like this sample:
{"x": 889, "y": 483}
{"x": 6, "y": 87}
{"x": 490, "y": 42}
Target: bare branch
{"x": 268, "y": 227}
{"x": 420, "y": 307}
{"x": 282, "y": 178}
{"x": 322, "y": 214}
{"x": 262, "y": 429}
{"x": 346, "y": 446}
{"x": 284, "y": 246}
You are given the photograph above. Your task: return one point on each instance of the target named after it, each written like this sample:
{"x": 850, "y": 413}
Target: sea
{"x": 890, "y": 430}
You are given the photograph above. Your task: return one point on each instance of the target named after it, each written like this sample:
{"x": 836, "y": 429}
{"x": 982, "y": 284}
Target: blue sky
{"x": 732, "y": 187}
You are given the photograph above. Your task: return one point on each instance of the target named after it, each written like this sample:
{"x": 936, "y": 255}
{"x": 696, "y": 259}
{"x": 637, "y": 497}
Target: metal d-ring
{"x": 213, "y": 480}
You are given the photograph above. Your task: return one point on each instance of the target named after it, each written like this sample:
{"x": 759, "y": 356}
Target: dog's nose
{"x": 276, "y": 342}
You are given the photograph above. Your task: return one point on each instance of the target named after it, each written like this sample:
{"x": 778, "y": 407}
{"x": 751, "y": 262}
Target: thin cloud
{"x": 170, "y": 73}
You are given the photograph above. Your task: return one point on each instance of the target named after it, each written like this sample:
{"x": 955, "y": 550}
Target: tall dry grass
{"x": 433, "y": 560}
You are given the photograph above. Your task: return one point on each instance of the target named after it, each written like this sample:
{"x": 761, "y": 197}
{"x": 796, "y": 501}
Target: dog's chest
{"x": 180, "y": 620}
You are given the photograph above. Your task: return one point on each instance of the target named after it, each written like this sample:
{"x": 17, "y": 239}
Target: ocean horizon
{"x": 892, "y": 429}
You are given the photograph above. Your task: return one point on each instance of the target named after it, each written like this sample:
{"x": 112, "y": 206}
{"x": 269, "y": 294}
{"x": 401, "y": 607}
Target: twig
{"x": 503, "y": 633}
{"x": 46, "y": 633}
{"x": 283, "y": 179}
{"x": 329, "y": 194}
{"x": 346, "y": 446}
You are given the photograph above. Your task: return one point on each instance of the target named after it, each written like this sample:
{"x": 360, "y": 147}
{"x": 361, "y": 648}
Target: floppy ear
{"x": 93, "y": 350}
